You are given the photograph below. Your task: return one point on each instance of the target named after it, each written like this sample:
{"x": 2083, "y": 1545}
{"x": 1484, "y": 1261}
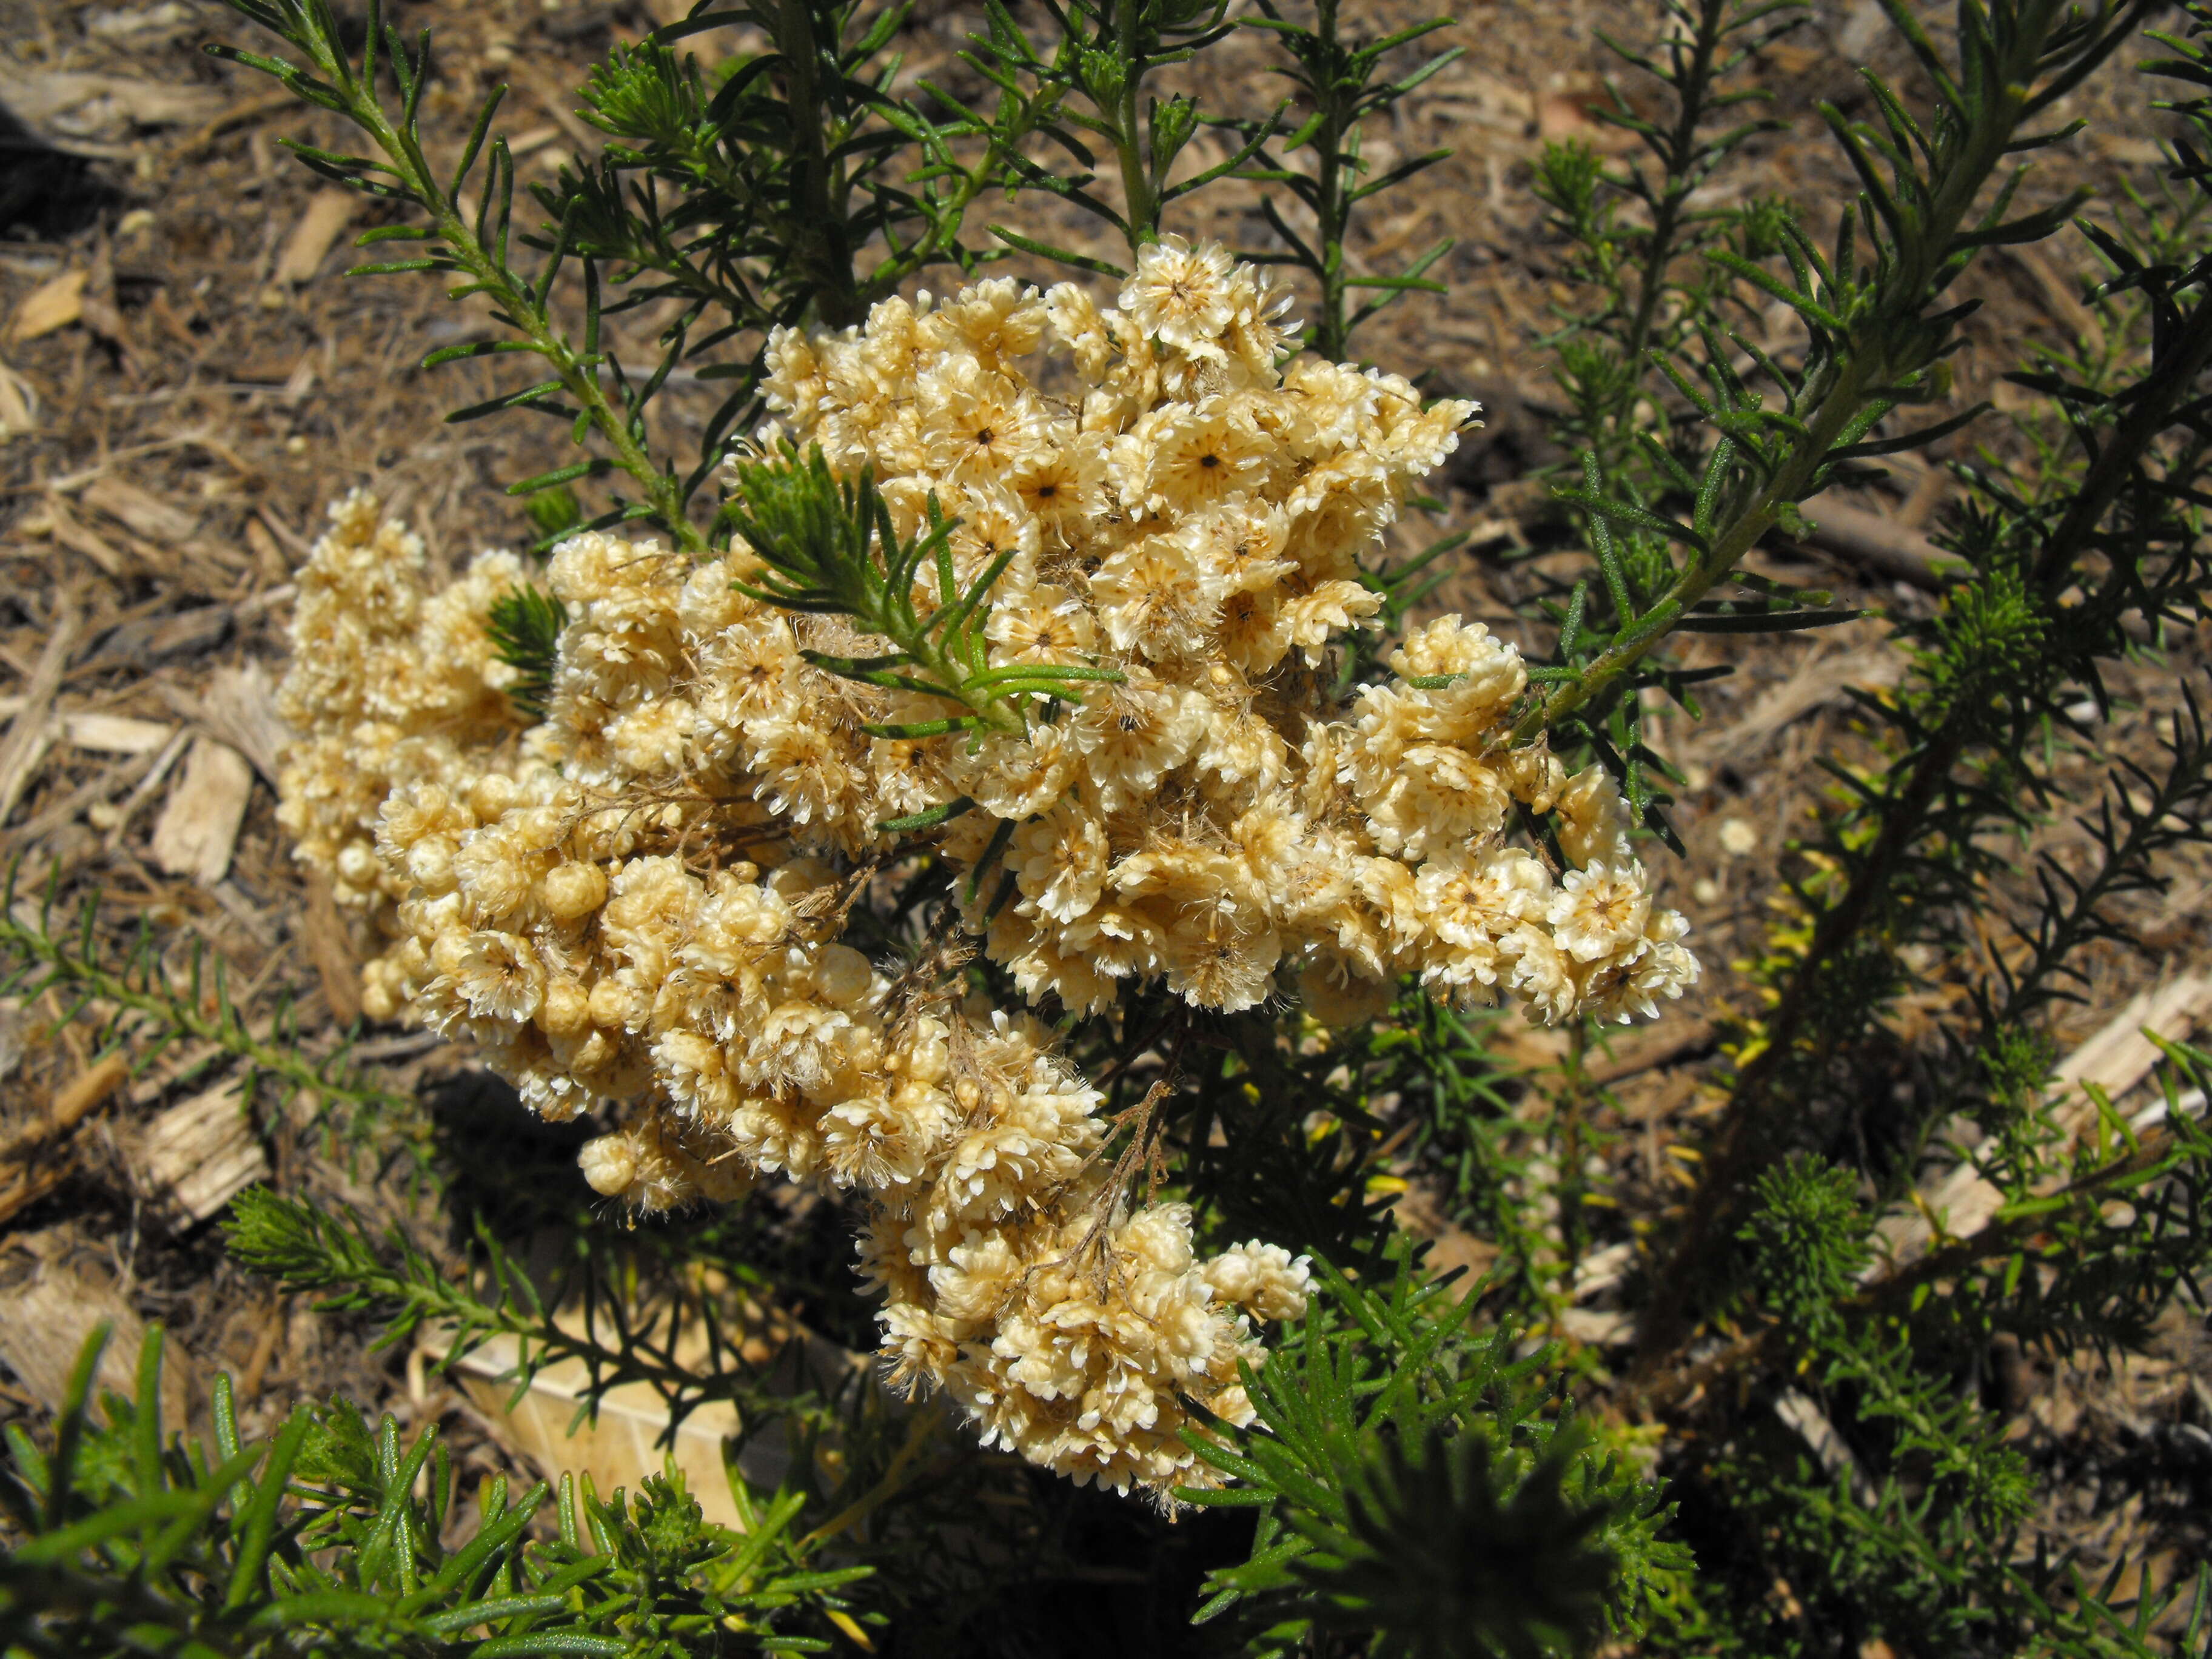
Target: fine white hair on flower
{"x": 637, "y": 899}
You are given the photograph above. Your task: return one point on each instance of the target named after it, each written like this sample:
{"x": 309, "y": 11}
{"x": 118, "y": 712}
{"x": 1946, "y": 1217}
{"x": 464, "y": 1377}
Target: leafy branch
{"x": 1339, "y": 87}
{"x": 829, "y": 546}
{"x": 306, "y": 1248}
{"x": 1605, "y": 356}
{"x": 472, "y": 245}
{"x": 1409, "y": 1485}
{"x": 1875, "y": 343}
{"x": 317, "y": 1540}
{"x": 1103, "y": 53}
{"x": 524, "y": 624}
{"x": 2002, "y": 650}
{"x": 137, "y": 1005}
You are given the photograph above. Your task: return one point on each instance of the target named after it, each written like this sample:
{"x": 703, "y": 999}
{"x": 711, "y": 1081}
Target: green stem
{"x": 1665, "y": 1391}
{"x": 819, "y": 226}
{"x": 220, "y": 1026}
{"x": 1141, "y": 200}
{"x": 952, "y": 212}
{"x": 577, "y": 372}
{"x": 1734, "y": 1147}
{"x": 1790, "y": 483}
{"x": 1866, "y": 364}
{"x": 1333, "y": 334}
{"x": 920, "y": 1433}
{"x": 1681, "y": 149}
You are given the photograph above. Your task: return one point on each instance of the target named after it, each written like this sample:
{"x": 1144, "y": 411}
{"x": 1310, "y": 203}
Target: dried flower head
{"x": 639, "y": 898}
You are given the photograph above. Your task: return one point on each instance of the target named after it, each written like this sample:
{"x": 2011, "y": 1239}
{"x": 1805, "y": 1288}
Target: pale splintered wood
{"x": 33, "y": 732}
{"x": 160, "y": 521}
{"x": 105, "y": 734}
{"x": 240, "y": 706}
{"x": 627, "y": 1437}
{"x": 198, "y": 827}
{"x": 196, "y": 1157}
{"x": 617, "y": 1446}
{"x": 19, "y": 405}
{"x": 1800, "y": 1412}
{"x": 53, "y": 305}
{"x": 2117, "y": 1059}
{"x": 45, "y": 1318}
{"x": 326, "y": 215}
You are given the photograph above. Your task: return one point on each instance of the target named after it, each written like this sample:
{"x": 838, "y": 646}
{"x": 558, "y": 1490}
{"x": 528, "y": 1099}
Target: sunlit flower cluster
{"x": 642, "y": 899}
{"x": 1183, "y": 513}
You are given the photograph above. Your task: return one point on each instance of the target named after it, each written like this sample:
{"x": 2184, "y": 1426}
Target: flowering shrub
{"x": 639, "y": 897}
{"x": 1012, "y": 773}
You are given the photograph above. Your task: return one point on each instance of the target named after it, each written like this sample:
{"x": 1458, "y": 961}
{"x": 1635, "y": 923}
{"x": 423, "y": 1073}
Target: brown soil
{"x": 232, "y": 406}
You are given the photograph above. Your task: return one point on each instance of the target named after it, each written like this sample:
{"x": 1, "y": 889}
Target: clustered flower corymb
{"x": 639, "y": 901}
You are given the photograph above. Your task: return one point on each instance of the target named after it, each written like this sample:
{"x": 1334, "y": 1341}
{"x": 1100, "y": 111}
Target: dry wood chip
{"x": 302, "y": 380}
{"x": 1822, "y": 681}
{"x": 238, "y": 115}
{"x": 86, "y": 1090}
{"x": 125, "y": 23}
{"x": 535, "y": 139}
{"x": 142, "y": 514}
{"x": 1883, "y": 543}
{"x": 1812, "y": 1425}
{"x": 1600, "y": 1327}
{"x": 2062, "y": 295}
{"x": 33, "y": 732}
{"x": 2115, "y": 1061}
{"x": 156, "y": 639}
{"x": 629, "y": 1434}
{"x": 29, "y": 1167}
{"x": 1663, "y": 1046}
{"x": 1566, "y": 109}
{"x": 104, "y": 734}
{"x": 264, "y": 1349}
{"x": 80, "y": 106}
{"x": 81, "y": 539}
{"x": 240, "y": 706}
{"x": 616, "y": 1446}
{"x": 270, "y": 556}
{"x": 51, "y": 306}
{"x": 115, "y": 734}
{"x": 327, "y": 214}
{"x": 330, "y": 949}
{"x": 198, "y": 1156}
{"x": 1472, "y": 98}
{"x": 198, "y": 826}
{"x": 118, "y": 820}
{"x": 19, "y": 405}
{"x": 14, "y": 1024}
{"x": 45, "y": 1319}
{"x": 105, "y": 320}
{"x": 89, "y": 800}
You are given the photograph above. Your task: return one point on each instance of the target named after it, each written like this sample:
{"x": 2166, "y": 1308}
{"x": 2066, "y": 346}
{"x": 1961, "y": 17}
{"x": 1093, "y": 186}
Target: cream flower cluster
{"x": 640, "y": 899}
{"x": 610, "y": 940}
{"x": 1183, "y": 513}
